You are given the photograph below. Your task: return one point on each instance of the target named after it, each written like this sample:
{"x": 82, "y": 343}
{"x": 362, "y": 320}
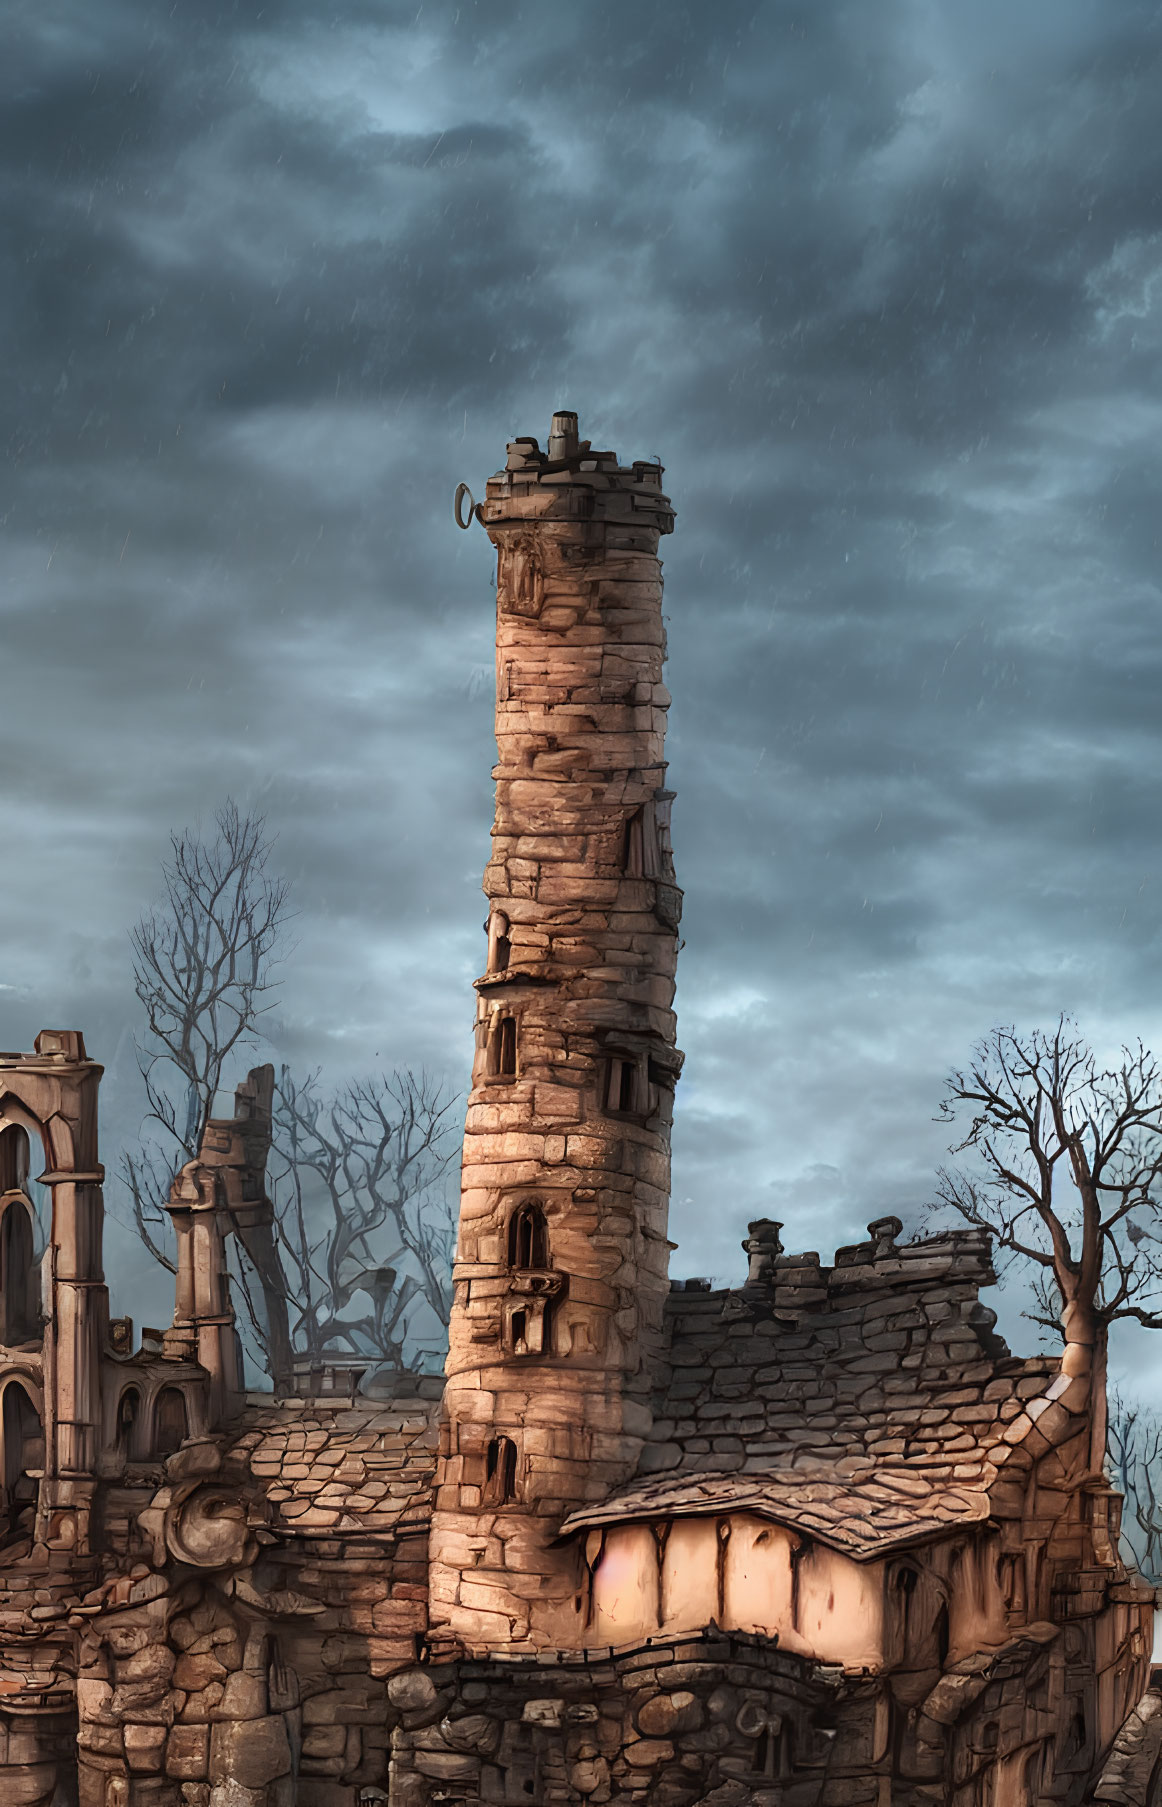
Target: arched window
{"x": 14, "y": 1159}
{"x": 170, "y": 1422}
{"x": 128, "y": 1423}
{"x": 499, "y": 1472}
{"x": 528, "y": 1237}
{"x": 502, "y": 1048}
{"x": 19, "y": 1314}
{"x": 23, "y": 1453}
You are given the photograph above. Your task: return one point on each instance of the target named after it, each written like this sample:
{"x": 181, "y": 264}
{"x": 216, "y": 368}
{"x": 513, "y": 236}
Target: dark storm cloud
{"x": 881, "y": 285}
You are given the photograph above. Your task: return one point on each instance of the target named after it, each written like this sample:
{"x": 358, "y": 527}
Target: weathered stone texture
{"x": 571, "y": 1100}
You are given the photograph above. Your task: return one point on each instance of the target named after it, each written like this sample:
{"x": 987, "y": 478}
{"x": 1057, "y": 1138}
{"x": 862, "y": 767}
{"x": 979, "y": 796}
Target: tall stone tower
{"x": 562, "y": 1259}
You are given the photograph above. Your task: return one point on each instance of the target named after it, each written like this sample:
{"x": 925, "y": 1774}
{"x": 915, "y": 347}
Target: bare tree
{"x": 1067, "y": 1158}
{"x": 362, "y": 1210}
{"x": 203, "y": 972}
{"x": 1135, "y": 1466}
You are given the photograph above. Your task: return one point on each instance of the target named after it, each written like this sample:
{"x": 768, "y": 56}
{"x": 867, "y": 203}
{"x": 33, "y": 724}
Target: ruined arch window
{"x": 942, "y": 1634}
{"x": 19, "y": 1305}
{"x": 171, "y": 1425}
{"x": 499, "y": 1472}
{"x": 14, "y": 1158}
{"x": 23, "y": 1436}
{"x": 528, "y": 1237}
{"x": 501, "y": 1062}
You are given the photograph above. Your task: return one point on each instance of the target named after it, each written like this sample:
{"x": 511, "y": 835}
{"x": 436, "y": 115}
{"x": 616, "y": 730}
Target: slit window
{"x": 502, "y": 1048}
{"x": 528, "y": 1238}
{"x": 500, "y": 1472}
{"x": 639, "y": 858}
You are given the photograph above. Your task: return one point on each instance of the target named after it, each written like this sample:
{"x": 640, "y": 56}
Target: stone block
{"x": 187, "y": 1753}
{"x": 244, "y": 1696}
{"x": 195, "y": 1672}
{"x": 145, "y": 1747}
{"x": 251, "y": 1752}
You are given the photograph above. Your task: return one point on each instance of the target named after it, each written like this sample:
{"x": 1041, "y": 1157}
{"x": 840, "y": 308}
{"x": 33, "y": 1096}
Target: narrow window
{"x": 500, "y": 1472}
{"x": 943, "y": 1639}
{"x": 18, "y": 1302}
{"x": 633, "y": 858}
{"x": 520, "y": 1327}
{"x": 502, "y": 1049}
{"x": 639, "y": 857}
{"x": 23, "y": 1454}
{"x": 14, "y": 1159}
{"x": 171, "y": 1425}
{"x": 499, "y": 942}
{"x": 128, "y": 1413}
{"x": 528, "y": 1238}
{"x": 905, "y": 1591}
{"x": 624, "y": 1089}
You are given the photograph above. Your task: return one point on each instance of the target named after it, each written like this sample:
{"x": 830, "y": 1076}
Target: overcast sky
{"x": 882, "y": 287}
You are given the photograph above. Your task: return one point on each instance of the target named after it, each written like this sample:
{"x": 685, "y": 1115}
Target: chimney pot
{"x": 563, "y": 440}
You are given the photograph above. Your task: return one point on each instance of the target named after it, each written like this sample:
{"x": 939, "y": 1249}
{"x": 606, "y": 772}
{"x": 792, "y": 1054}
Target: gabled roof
{"x": 869, "y": 1404}
{"x": 866, "y": 1513}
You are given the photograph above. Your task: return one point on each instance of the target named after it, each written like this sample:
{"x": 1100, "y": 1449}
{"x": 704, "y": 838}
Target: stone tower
{"x": 562, "y": 1260}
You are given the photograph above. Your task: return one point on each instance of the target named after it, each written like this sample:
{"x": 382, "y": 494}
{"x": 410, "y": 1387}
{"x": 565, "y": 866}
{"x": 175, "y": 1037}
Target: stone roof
{"x": 362, "y": 1467}
{"x": 867, "y": 1404}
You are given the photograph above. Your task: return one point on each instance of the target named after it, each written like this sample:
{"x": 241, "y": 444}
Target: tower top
{"x": 571, "y": 480}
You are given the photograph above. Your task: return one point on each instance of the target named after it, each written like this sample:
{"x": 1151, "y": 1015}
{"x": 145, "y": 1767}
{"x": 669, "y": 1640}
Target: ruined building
{"x": 813, "y": 1540}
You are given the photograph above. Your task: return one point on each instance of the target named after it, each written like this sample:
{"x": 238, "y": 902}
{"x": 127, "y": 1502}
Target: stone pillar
{"x": 223, "y": 1192}
{"x": 203, "y": 1329}
{"x": 562, "y": 1259}
{"x": 52, "y": 1094}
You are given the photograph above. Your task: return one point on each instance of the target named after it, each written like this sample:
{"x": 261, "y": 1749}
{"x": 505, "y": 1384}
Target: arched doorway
{"x": 170, "y": 1422}
{"x": 23, "y": 1436}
